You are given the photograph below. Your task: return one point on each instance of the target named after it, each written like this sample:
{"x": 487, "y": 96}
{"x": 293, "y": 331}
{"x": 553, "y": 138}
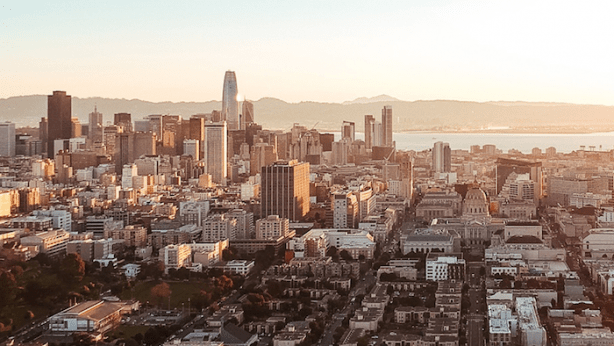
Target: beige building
{"x": 51, "y": 243}
{"x": 272, "y": 227}
{"x": 132, "y": 235}
{"x": 176, "y": 256}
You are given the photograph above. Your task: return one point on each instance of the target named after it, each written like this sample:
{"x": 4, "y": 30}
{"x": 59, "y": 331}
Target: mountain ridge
{"x": 274, "y": 113}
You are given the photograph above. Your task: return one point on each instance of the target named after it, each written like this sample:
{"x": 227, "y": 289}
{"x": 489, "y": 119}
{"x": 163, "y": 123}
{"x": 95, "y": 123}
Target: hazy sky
{"x": 329, "y": 51}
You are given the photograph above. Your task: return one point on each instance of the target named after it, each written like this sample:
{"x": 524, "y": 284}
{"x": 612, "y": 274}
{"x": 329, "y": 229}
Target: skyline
{"x": 471, "y": 51}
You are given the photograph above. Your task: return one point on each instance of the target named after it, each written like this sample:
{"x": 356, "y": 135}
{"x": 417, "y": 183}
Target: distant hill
{"x": 277, "y": 114}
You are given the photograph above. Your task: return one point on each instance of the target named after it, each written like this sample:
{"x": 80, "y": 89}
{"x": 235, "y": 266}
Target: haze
{"x": 328, "y": 51}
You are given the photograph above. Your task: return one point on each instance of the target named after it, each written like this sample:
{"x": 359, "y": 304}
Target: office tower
{"x": 442, "y": 158}
{"x": 124, "y": 150}
{"x": 123, "y": 120}
{"x": 75, "y": 128}
{"x": 507, "y": 166}
{"x": 247, "y": 115}
{"x": 348, "y": 130}
{"x": 197, "y": 128}
{"x": 58, "y": 119}
{"x": 369, "y": 127}
{"x": 340, "y": 151}
{"x": 172, "y": 135}
{"x": 95, "y": 126}
{"x": 7, "y": 139}
{"x": 192, "y": 147}
{"x": 43, "y": 128}
{"x": 155, "y": 125}
{"x": 230, "y": 105}
{"x": 327, "y": 139}
{"x": 387, "y": 126}
{"x": 378, "y": 133}
{"x": 285, "y": 190}
{"x": 216, "y": 151}
{"x": 261, "y": 155}
{"x": 144, "y": 144}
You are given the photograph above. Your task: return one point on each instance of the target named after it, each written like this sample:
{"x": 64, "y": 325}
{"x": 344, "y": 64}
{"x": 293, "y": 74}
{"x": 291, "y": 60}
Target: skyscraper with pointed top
{"x": 230, "y": 105}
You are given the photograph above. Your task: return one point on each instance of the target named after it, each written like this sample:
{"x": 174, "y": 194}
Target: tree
{"x": 8, "y": 284}
{"x": 345, "y": 255}
{"x": 332, "y": 252}
{"x": 160, "y": 292}
{"x": 72, "y": 268}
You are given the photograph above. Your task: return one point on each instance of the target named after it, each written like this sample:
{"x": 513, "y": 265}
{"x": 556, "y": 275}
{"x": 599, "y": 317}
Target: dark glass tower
{"x": 59, "y": 124}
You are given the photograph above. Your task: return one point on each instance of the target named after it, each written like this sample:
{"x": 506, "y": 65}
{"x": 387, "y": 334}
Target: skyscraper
{"x": 348, "y": 130}
{"x": 230, "y": 105}
{"x": 7, "y": 139}
{"x": 285, "y": 190}
{"x": 387, "y": 126}
{"x": 247, "y": 115}
{"x": 442, "y": 157}
{"x": 369, "y": 127}
{"x": 123, "y": 120}
{"x": 216, "y": 151}
{"x": 59, "y": 119}
{"x": 95, "y": 126}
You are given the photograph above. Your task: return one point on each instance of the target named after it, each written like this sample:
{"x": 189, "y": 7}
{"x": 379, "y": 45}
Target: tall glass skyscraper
{"x": 230, "y": 105}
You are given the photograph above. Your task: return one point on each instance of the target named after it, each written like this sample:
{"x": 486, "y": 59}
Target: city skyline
{"x": 474, "y": 51}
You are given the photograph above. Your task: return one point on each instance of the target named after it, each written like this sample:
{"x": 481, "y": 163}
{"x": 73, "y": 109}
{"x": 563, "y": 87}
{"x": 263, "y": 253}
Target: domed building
{"x": 475, "y": 205}
{"x": 476, "y": 216}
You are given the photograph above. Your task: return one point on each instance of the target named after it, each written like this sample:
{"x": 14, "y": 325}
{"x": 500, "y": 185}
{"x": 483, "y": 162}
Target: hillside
{"x": 277, "y": 114}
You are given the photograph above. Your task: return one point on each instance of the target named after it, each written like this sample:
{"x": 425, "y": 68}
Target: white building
{"x": 128, "y": 171}
{"x": 531, "y": 331}
{"x": 51, "y": 243}
{"x": 599, "y": 243}
{"x": 131, "y": 270}
{"x": 441, "y": 267}
{"x": 240, "y": 267}
{"x": 7, "y": 139}
{"x": 502, "y": 325}
{"x": 176, "y": 256}
{"x": 62, "y": 219}
{"x": 588, "y": 336}
{"x": 219, "y": 227}
{"x": 272, "y": 227}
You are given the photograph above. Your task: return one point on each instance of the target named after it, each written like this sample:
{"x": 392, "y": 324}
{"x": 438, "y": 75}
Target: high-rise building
{"x": 369, "y": 128}
{"x": 285, "y": 190}
{"x": 75, "y": 128}
{"x": 442, "y": 158}
{"x": 215, "y": 153}
{"x": 59, "y": 124}
{"x": 95, "y": 126}
{"x": 348, "y": 130}
{"x": 192, "y": 147}
{"x": 507, "y": 166}
{"x": 7, "y": 139}
{"x": 247, "y": 115}
{"x": 123, "y": 120}
{"x": 387, "y": 126}
{"x": 230, "y": 105}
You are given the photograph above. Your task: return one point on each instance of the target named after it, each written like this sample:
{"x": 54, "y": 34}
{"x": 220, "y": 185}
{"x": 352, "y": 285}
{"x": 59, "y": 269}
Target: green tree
{"x": 345, "y": 255}
{"x": 72, "y": 268}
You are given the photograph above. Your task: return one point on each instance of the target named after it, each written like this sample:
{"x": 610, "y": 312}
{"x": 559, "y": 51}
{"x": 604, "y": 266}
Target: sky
{"x": 324, "y": 51}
